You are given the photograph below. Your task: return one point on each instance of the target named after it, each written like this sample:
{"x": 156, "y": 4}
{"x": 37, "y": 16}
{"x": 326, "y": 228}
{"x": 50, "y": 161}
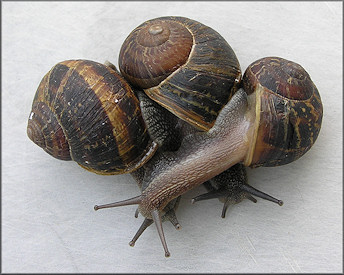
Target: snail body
{"x": 238, "y": 136}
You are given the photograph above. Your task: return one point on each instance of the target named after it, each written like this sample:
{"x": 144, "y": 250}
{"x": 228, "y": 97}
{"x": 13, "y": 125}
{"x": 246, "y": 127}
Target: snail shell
{"x": 85, "y": 111}
{"x": 183, "y": 65}
{"x": 288, "y": 111}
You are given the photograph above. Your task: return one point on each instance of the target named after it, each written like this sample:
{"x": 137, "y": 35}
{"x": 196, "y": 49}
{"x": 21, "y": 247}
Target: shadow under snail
{"x": 87, "y": 112}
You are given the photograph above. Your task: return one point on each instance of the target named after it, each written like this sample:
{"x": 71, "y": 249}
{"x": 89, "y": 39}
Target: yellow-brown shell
{"x": 183, "y": 65}
{"x": 288, "y": 111}
{"x": 85, "y": 111}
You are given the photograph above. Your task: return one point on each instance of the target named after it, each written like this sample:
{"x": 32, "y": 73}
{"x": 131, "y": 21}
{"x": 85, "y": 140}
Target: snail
{"x": 235, "y": 121}
{"x": 194, "y": 91}
{"x": 273, "y": 119}
{"x": 85, "y": 111}
{"x": 76, "y": 101}
{"x": 183, "y": 65}
{"x": 75, "y": 115}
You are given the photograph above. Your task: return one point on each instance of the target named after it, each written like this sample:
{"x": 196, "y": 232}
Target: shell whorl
{"x": 288, "y": 111}
{"x": 194, "y": 71}
{"x": 97, "y": 113}
{"x": 44, "y": 130}
{"x": 153, "y": 51}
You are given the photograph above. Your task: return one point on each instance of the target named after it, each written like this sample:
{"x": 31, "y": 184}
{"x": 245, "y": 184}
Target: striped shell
{"x": 86, "y": 112}
{"x": 183, "y": 65}
{"x": 288, "y": 111}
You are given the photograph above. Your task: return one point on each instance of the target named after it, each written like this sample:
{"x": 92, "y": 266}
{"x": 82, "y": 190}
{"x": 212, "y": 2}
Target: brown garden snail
{"x": 75, "y": 115}
{"x": 183, "y": 65}
{"x": 77, "y": 89}
{"x": 85, "y": 111}
{"x": 287, "y": 128}
{"x": 240, "y": 131}
{"x": 272, "y": 120}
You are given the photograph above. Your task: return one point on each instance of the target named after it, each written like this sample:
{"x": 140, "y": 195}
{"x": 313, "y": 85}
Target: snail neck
{"x": 201, "y": 156}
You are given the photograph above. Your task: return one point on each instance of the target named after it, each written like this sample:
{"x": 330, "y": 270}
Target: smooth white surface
{"x": 48, "y": 221}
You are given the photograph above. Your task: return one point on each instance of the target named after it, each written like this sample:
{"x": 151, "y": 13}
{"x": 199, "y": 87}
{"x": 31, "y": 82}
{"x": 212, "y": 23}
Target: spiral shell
{"x": 183, "y": 65}
{"x": 288, "y": 111}
{"x": 86, "y": 112}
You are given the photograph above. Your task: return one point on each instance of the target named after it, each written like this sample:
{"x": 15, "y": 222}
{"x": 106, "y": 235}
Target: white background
{"x": 48, "y": 221}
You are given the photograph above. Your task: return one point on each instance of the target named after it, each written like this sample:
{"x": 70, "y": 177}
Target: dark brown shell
{"x": 85, "y": 111}
{"x": 289, "y": 111}
{"x": 183, "y": 65}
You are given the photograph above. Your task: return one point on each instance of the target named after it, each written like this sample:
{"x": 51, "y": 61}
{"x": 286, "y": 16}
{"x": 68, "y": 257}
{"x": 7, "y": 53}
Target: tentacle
{"x": 158, "y": 222}
{"x": 132, "y": 201}
{"x": 214, "y": 194}
{"x": 231, "y": 187}
{"x": 171, "y": 216}
{"x": 137, "y": 212}
{"x": 249, "y": 197}
{"x": 224, "y": 209}
{"x": 146, "y": 223}
{"x": 253, "y": 191}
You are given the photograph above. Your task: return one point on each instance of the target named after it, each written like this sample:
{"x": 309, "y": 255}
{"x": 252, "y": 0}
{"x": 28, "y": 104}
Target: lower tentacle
{"x": 146, "y": 223}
